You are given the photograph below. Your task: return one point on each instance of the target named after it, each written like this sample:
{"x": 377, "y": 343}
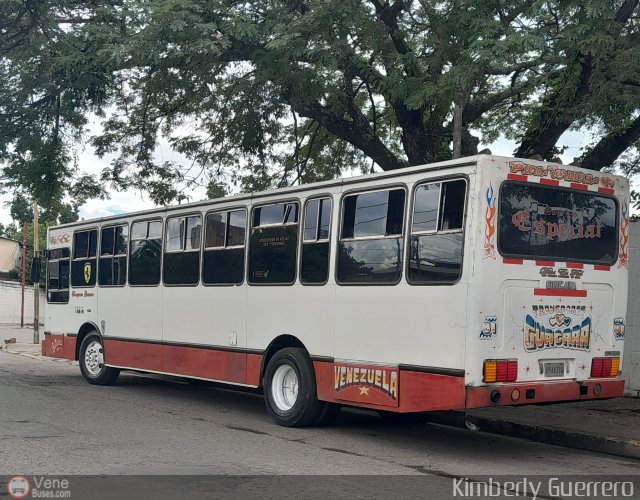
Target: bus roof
{"x": 460, "y": 162}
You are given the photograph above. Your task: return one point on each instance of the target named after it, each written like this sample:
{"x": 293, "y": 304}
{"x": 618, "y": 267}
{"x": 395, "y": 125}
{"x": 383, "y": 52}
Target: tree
{"x": 44, "y": 99}
{"x": 216, "y": 190}
{"x": 268, "y": 93}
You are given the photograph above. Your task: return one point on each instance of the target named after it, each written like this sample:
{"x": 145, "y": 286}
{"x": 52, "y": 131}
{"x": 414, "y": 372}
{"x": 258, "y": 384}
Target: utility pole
{"x": 24, "y": 269}
{"x": 460, "y": 102}
{"x": 36, "y": 285}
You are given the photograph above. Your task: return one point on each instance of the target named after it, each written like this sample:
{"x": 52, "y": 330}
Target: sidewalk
{"x": 24, "y": 340}
{"x": 607, "y": 426}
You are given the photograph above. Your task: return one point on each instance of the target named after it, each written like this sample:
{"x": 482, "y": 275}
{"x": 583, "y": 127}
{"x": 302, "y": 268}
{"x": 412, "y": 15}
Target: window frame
{"x": 556, "y": 258}
{"x": 166, "y": 252}
{"x": 269, "y": 203}
{"x": 328, "y": 196}
{"x": 68, "y": 259}
{"x": 251, "y": 209}
{"x": 247, "y": 229}
{"x": 339, "y": 239}
{"x": 74, "y": 259}
{"x": 414, "y": 190}
{"x": 125, "y": 255}
{"x": 157, "y": 218}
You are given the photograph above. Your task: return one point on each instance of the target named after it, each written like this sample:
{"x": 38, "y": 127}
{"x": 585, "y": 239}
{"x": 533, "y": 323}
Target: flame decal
{"x": 490, "y": 227}
{"x": 624, "y": 236}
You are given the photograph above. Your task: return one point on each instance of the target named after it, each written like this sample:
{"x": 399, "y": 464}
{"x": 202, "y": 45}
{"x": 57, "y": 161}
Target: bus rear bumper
{"x": 543, "y": 392}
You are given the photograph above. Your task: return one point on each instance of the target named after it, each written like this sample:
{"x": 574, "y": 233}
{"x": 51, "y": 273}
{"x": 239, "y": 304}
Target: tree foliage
{"x": 271, "y": 93}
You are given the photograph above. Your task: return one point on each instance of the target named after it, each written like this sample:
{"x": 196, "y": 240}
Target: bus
{"x": 475, "y": 282}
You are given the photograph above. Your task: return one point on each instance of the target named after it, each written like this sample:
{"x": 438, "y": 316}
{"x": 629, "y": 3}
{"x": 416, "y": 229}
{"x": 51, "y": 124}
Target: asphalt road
{"x": 53, "y": 422}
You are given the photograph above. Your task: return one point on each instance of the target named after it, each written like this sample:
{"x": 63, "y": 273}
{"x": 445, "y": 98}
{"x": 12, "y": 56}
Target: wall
{"x": 631, "y": 363}
{"x": 10, "y": 299}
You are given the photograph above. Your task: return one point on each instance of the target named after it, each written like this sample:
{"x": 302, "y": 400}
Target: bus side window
{"x": 182, "y": 250}
{"x": 435, "y": 252}
{"x": 315, "y": 241}
{"x": 58, "y": 275}
{"x": 112, "y": 267}
{"x": 144, "y": 253}
{"x": 83, "y": 267}
{"x": 371, "y": 244}
{"x": 223, "y": 258}
{"x": 273, "y": 244}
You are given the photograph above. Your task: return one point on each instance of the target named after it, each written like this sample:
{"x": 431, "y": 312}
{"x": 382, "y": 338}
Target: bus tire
{"x": 91, "y": 360}
{"x": 290, "y": 389}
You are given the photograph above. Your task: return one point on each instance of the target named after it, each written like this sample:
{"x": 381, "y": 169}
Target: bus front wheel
{"x": 91, "y": 360}
{"x": 290, "y": 389}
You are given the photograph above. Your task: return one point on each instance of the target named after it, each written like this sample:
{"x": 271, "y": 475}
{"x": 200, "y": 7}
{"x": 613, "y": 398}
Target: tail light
{"x": 500, "y": 370}
{"x": 605, "y": 367}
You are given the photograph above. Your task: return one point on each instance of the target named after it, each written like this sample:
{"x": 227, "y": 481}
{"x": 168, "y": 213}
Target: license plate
{"x": 553, "y": 369}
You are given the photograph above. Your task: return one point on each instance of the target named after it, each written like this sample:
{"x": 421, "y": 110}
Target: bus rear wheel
{"x": 91, "y": 360}
{"x": 290, "y": 389}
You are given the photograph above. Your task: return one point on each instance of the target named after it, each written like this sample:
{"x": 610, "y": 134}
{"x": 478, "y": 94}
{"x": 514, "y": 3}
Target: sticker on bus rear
{"x": 557, "y": 326}
{"x": 618, "y": 328}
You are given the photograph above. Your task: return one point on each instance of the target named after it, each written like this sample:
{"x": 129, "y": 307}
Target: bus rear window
{"x": 556, "y": 224}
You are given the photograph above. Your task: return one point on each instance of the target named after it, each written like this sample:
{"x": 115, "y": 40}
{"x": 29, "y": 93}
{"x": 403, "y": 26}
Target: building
{"x": 10, "y": 259}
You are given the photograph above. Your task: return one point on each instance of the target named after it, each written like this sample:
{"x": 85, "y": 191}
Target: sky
{"x": 132, "y": 201}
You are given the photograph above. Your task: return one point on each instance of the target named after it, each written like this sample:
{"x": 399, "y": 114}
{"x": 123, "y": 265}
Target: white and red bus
{"x": 462, "y": 284}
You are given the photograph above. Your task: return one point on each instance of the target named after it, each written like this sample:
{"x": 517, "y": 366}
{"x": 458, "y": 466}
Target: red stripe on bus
{"x": 602, "y": 268}
{"x": 606, "y": 190}
{"x": 224, "y": 366}
{"x": 417, "y": 391}
{"x": 205, "y": 363}
{"x": 516, "y": 177}
{"x": 554, "y": 292}
{"x": 254, "y": 367}
{"x": 512, "y": 261}
{"x": 141, "y": 355}
{"x": 550, "y": 182}
{"x": 546, "y": 263}
{"x": 574, "y": 265}
{"x": 575, "y": 185}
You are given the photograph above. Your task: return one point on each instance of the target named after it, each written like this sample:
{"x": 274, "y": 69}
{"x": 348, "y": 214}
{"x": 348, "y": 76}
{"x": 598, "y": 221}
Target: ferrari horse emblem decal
{"x": 87, "y": 272}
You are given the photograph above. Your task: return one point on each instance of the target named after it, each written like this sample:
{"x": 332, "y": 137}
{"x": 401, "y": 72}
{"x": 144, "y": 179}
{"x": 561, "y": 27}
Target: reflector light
{"x": 615, "y": 366}
{"x": 605, "y": 367}
{"x": 489, "y": 371}
{"x": 500, "y": 370}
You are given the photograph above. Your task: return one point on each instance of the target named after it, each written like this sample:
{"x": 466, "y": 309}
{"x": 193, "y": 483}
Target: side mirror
{"x": 35, "y": 270}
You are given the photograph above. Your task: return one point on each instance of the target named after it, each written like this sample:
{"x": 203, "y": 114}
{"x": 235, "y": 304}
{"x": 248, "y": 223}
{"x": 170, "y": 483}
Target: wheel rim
{"x": 284, "y": 387}
{"x": 93, "y": 358}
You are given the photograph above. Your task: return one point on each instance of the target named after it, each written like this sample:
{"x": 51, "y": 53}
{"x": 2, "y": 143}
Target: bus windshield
{"x": 556, "y": 224}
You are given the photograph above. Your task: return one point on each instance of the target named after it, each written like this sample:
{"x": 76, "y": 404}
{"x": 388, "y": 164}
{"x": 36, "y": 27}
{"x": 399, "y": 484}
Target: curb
{"x": 33, "y": 355}
{"x": 548, "y": 435}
